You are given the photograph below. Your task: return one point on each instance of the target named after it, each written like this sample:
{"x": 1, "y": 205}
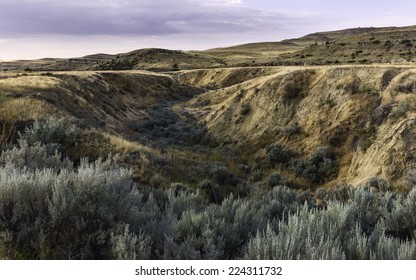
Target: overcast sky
{"x": 71, "y": 28}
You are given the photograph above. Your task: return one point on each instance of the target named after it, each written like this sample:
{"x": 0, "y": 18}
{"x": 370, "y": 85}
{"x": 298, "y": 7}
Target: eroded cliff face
{"x": 365, "y": 114}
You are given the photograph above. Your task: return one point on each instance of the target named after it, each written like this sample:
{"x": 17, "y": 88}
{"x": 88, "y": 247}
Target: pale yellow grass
{"x": 128, "y": 146}
{"x": 29, "y": 82}
{"x": 24, "y": 109}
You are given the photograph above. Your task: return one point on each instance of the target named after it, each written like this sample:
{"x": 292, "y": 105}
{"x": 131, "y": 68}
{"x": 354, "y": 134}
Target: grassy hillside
{"x": 269, "y": 53}
{"x": 151, "y": 166}
{"x": 55, "y": 64}
{"x": 377, "y": 45}
{"x": 160, "y": 60}
{"x": 361, "y": 114}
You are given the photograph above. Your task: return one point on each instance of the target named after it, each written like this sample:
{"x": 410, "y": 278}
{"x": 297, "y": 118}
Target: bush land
{"x": 51, "y": 208}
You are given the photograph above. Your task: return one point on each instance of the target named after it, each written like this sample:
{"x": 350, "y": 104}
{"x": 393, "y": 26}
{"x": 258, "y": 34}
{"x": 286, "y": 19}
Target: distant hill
{"x": 56, "y": 64}
{"x": 349, "y": 46}
{"x": 160, "y": 60}
{"x": 263, "y": 53}
{"x": 358, "y": 46}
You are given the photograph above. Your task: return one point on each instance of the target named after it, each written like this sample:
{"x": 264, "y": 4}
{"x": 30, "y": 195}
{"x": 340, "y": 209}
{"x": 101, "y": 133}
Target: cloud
{"x": 134, "y": 18}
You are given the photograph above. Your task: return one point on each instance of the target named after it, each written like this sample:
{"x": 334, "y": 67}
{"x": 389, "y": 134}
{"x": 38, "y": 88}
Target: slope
{"x": 160, "y": 60}
{"x": 313, "y": 125}
{"x": 363, "y": 115}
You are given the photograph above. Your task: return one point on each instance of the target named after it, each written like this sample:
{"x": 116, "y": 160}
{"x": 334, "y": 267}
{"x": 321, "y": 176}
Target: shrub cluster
{"x": 277, "y": 155}
{"x": 318, "y": 167}
{"x": 52, "y": 209}
{"x": 166, "y": 128}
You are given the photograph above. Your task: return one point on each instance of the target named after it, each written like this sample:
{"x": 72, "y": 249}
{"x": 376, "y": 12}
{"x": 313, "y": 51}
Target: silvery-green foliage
{"x": 184, "y": 200}
{"x": 23, "y": 207}
{"x": 180, "y": 213}
{"x": 90, "y": 200}
{"x": 233, "y": 222}
{"x": 383, "y": 247}
{"x": 378, "y": 246}
{"x": 401, "y": 220}
{"x": 276, "y": 179}
{"x": 367, "y": 205}
{"x": 187, "y": 232}
{"x": 279, "y": 202}
{"x": 387, "y": 201}
{"x": 192, "y": 239}
{"x": 305, "y": 235}
{"x": 179, "y": 251}
{"x": 148, "y": 217}
{"x": 353, "y": 229}
{"x": 339, "y": 193}
{"x": 34, "y": 157}
{"x": 129, "y": 246}
{"x": 50, "y": 131}
{"x": 49, "y": 208}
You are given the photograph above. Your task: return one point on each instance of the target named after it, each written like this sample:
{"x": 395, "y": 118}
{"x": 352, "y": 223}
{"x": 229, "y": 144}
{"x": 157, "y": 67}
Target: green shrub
{"x": 51, "y": 131}
{"x": 278, "y": 155}
{"x": 52, "y": 209}
{"x": 318, "y": 167}
{"x": 62, "y": 212}
{"x": 221, "y": 176}
{"x": 306, "y": 235}
{"x": 276, "y": 179}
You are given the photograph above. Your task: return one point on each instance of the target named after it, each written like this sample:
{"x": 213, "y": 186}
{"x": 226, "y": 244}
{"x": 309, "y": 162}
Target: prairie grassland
{"x": 24, "y": 109}
{"x": 35, "y": 82}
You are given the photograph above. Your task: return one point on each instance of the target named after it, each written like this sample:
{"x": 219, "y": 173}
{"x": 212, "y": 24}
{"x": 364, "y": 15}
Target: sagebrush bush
{"x": 301, "y": 237}
{"x": 221, "y": 175}
{"x": 332, "y": 233}
{"x": 53, "y": 209}
{"x": 34, "y": 157}
{"x": 128, "y": 246}
{"x": 278, "y": 155}
{"x": 320, "y": 166}
{"x": 51, "y": 131}
{"x": 276, "y": 179}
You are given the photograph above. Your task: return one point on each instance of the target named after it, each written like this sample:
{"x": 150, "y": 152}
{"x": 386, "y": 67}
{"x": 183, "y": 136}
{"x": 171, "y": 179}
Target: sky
{"x": 71, "y": 28}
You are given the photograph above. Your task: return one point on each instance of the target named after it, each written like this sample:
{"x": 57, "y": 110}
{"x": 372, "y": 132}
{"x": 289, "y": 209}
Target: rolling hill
{"x": 349, "y": 46}
{"x": 220, "y": 154}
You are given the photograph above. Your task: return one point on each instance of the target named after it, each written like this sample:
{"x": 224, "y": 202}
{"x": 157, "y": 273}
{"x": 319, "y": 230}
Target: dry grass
{"x": 20, "y": 109}
{"x": 29, "y": 83}
{"x": 24, "y": 109}
{"x": 127, "y": 146}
